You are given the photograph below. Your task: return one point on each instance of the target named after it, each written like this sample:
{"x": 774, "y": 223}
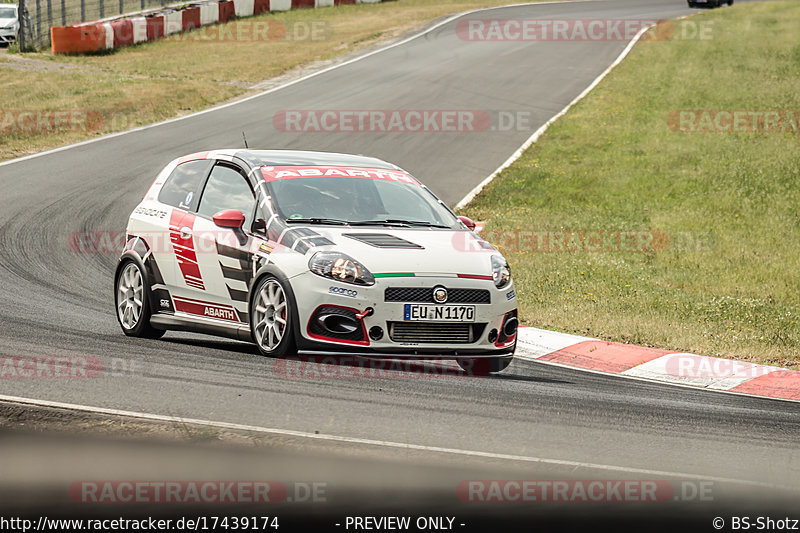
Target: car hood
{"x": 6, "y": 22}
{"x": 420, "y": 251}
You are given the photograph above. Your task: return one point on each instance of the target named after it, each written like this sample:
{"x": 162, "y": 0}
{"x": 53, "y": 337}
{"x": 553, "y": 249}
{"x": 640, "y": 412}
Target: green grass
{"x": 728, "y": 283}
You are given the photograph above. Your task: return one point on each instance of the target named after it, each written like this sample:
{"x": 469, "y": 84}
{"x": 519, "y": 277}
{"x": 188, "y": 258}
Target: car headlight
{"x": 340, "y": 267}
{"x": 500, "y": 272}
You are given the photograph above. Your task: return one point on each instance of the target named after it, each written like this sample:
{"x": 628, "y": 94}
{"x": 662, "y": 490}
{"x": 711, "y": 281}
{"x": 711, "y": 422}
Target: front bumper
{"x": 317, "y": 296}
{"x": 8, "y": 36}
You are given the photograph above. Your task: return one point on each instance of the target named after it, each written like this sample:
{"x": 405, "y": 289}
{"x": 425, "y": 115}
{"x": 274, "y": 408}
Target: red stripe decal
{"x": 184, "y": 248}
{"x": 193, "y": 157}
{"x": 198, "y": 307}
{"x": 474, "y": 276}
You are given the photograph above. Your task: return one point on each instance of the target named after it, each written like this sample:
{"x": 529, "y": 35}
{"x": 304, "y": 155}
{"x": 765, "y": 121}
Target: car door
{"x": 223, "y": 254}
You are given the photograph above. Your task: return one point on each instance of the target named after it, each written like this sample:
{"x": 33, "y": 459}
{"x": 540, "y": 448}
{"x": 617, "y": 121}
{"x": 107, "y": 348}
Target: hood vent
{"x": 382, "y": 240}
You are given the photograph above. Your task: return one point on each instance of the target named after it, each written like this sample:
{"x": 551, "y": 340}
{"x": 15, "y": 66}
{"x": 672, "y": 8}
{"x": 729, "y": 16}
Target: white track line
{"x": 384, "y": 443}
{"x": 285, "y": 85}
{"x": 533, "y": 138}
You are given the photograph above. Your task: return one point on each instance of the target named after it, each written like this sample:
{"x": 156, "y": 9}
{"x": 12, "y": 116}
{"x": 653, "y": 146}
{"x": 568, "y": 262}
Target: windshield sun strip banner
{"x": 271, "y": 173}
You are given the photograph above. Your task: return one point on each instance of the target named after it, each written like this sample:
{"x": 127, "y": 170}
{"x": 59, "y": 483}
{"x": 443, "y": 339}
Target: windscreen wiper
{"x": 398, "y": 222}
{"x": 317, "y": 220}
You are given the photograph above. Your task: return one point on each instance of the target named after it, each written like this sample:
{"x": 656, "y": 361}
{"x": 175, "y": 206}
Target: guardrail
{"x": 97, "y": 22}
{"x": 45, "y": 14}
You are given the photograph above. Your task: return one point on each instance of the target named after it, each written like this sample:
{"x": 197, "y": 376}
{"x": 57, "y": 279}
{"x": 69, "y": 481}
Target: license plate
{"x": 439, "y": 313}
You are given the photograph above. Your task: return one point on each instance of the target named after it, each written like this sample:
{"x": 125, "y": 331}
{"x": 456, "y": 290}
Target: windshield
{"x": 7, "y": 12}
{"x": 359, "y": 200}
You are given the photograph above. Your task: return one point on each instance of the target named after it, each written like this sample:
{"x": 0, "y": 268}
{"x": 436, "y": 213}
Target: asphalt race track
{"x": 55, "y": 301}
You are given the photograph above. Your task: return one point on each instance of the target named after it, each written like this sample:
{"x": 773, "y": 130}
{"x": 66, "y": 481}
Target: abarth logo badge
{"x": 439, "y": 295}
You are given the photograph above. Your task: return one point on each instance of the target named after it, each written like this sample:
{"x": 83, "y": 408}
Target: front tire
{"x": 271, "y": 317}
{"x": 132, "y": 301}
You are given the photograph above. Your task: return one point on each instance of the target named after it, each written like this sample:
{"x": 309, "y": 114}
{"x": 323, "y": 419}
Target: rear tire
{"x": 132, "y": 302}
{"x": 271, "y": 318}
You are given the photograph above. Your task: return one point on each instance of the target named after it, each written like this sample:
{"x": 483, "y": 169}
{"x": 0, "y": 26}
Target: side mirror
{"x": 464, "y": 220}
{"x": 229, "y": 218}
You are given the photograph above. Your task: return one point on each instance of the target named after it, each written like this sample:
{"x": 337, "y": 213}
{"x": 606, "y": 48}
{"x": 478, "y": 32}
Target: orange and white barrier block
{"x": 131, "y": 29}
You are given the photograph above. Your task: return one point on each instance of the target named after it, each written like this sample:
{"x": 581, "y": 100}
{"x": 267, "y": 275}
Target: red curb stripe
{"x": 779, "y": 384}
{"x": 604, "y": 356}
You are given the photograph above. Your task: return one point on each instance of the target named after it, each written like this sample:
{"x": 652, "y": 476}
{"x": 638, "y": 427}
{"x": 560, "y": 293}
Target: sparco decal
{"x": 343, "y": 292}
{"x": 149, "y": 212}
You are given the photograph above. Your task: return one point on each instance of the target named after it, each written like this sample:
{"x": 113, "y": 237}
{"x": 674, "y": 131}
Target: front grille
{"x": 425, "y": 295}
{"x": 435, "y": 333}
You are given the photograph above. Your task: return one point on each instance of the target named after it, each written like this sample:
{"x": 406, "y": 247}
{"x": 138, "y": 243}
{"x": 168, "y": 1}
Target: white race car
{"x": 313, "y": 251}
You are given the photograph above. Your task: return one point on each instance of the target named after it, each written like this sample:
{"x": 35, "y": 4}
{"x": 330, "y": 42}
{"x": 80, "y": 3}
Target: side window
{"x": 182, "y": 188}
{"x": 227, "y": 189}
